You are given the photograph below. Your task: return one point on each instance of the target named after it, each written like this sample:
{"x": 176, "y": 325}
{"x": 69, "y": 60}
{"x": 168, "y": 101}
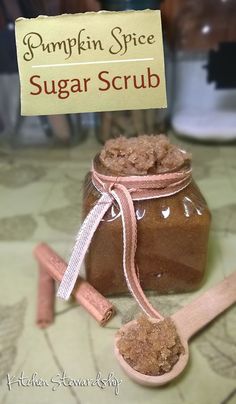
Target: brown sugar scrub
{"x": 172, "y": 231}
{"x": 150, "y": 348}
{"x": 142, "y": 155}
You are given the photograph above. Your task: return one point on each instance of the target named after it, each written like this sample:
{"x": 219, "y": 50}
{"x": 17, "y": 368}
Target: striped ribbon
{"x": 123, "y": 191}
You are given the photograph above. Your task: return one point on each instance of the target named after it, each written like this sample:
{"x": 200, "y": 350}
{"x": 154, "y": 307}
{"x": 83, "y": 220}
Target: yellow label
{"x": 91, "y": 62}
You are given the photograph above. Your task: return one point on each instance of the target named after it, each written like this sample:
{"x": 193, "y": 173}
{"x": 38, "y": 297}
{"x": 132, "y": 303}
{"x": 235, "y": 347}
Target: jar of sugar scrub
{"x": 171, "y": 217}
{"x": 133, "y": 122}
{"x": 204, "y": 101}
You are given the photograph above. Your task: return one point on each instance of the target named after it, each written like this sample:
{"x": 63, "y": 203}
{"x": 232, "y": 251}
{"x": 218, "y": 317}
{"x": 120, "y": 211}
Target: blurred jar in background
{"x": 136, "y": 122}
{"x": 204, "y": 99}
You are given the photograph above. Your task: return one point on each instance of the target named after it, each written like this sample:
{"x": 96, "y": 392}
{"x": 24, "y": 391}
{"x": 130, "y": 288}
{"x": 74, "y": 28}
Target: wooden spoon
{"x": 188, "y": 320}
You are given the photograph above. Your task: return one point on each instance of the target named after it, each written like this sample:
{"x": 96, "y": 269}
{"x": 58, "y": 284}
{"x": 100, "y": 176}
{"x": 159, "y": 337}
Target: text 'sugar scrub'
{"x": 65, "y": 88}
{"x": 66, "y": 62}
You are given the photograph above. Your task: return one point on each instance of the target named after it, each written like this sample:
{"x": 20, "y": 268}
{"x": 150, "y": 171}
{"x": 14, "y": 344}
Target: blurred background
{"x": 200, "y": 57}
{"x": 43, "y": 161}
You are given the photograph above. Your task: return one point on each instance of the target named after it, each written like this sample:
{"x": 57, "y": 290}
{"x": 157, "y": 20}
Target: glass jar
{"x": 172, "y": 238}
{"x": 130, "y": 123}
{"x": 204, "y": 102}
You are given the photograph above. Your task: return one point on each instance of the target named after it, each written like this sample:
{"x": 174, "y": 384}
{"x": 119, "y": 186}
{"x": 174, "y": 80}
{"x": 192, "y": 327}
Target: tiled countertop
{"x": 40, "y": 199}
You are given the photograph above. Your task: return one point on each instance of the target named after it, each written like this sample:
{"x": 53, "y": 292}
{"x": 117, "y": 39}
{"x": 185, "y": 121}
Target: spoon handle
{"x": 205, "y": 308}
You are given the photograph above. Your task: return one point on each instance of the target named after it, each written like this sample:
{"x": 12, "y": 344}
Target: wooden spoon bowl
{"x": 147, "y": 380}
{"x": 188, "y": 320}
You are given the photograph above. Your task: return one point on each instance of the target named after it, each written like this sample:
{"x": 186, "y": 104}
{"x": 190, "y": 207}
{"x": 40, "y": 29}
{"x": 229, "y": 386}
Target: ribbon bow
{"x": 123, "y": 190}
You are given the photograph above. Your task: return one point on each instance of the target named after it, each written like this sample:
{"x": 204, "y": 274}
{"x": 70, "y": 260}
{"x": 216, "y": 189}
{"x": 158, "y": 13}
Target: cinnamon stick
{"x": 84, "y": 293}
{"x": 46, "y": 298}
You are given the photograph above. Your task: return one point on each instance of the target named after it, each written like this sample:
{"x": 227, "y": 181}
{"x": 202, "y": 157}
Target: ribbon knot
{"x": 123, "y": 191}
{"x": 111, "y": 187}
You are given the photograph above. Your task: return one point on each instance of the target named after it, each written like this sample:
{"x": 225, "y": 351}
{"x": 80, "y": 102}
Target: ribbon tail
{"x": 83, "y": 240}
{"x": 129, "y": 225}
